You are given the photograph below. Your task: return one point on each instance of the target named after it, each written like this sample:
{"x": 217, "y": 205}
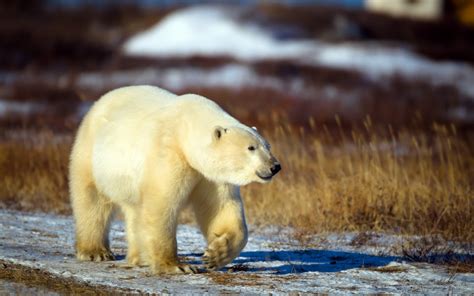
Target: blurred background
{"x": 369, "y": 104}
{"x": 396, "y": 61}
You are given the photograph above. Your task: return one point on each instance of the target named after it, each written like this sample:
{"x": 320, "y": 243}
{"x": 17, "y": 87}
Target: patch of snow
{"x": 215, "y": 31}
{"x": 233, "y": 76}
{"x": 377, "y": 61}
{"x": 209, "y": 30}
{"x": 272, "y": 262}
{"x": 19, "y": 108}
{"x": 83, "y": 109}
{"x": 461, "y": 113}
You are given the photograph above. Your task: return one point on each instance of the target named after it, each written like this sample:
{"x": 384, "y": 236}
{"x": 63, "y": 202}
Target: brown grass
{"x": 434, "y": 249}
{"x": 33, "y": 167}
{"x": 406, "y": 182}
{"x": 403, "y": 182}
{"x": 388, "y": 269}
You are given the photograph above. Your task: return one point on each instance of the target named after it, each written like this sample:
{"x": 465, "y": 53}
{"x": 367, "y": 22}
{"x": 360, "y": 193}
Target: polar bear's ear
{"x": 218, "y": 132}
{"x": 254, "y": 128}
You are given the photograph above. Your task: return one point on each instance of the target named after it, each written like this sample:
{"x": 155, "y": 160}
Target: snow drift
{"x": 217, "y": 31}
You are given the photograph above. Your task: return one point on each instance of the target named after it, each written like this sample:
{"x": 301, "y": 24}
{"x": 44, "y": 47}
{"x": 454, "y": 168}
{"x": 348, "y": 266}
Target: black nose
{"x": 275, "y": 168}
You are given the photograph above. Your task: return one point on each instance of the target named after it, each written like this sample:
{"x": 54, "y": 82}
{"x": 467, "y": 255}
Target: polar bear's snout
{"x": 276, "y": 167}
{"x": 273, "y": 169}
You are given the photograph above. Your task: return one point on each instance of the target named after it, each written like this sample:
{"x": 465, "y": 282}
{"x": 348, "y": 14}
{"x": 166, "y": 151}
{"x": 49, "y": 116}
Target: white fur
{"x": 150, "y": 152}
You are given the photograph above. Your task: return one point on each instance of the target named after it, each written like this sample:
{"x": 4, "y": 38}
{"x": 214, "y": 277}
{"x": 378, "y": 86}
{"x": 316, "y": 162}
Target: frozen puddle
{"x": 271, "y": 263}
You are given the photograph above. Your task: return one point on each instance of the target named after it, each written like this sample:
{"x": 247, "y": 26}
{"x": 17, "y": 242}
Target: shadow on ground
{"x": 310, "y": 260}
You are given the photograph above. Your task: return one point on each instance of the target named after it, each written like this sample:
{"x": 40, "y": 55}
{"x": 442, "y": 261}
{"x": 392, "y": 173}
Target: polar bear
{"x": 149, "y": 152}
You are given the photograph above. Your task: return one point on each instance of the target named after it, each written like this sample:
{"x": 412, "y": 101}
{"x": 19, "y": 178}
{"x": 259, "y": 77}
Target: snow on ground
{"x": 19, "y": 108}
{"x": 211, "y": 31}
{"x": 215, "y": 31}
{"x": 272, "y": 262}
{"x": 232, "y": 76}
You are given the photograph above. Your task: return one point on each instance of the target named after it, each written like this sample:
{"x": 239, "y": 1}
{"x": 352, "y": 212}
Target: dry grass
{"x": 33, "y": 167}
{"x": 403, "y": 182}
{"x": 435, "y": 250}
{"x": 388, "y": 269}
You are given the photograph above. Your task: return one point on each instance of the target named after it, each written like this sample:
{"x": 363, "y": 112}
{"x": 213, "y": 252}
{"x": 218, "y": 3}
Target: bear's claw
{"x": 97, "y": 256}
{"x": 217, "y": 256}
{"x": 176, "y": 269}
{"x": 188, "y": 269}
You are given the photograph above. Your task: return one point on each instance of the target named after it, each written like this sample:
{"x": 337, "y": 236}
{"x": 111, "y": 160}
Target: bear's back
{"x": 125, "y": 122}
{"x": 131, "y": 101}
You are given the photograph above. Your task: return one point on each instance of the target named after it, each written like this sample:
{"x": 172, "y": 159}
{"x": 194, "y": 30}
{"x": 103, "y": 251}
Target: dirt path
{"x": 36, "y": 250}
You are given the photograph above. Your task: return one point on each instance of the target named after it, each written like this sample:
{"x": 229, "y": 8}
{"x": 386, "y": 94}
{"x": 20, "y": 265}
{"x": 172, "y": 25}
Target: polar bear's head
{"x": 239, "y": 156}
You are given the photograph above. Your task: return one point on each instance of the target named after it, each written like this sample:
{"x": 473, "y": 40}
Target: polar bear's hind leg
{"x": 132, "y": 231}
{"x": 92, "y": 213}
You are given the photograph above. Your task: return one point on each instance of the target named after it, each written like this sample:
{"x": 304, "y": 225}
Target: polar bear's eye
{"x": 251, "y": 148}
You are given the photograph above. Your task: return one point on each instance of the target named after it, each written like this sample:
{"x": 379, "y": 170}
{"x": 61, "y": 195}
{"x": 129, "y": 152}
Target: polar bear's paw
{"x": 135, "y": 260}
{"x": 218, "y": 253}
{"x": 175, "y": 269}
{"x": 97, "y": 255}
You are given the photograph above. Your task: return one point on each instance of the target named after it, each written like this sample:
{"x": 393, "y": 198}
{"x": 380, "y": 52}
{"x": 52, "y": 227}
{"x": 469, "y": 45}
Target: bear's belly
{"x": 118, "y": 177}
{"x": 118, "y": 188}
{"x": 118, "y": 165}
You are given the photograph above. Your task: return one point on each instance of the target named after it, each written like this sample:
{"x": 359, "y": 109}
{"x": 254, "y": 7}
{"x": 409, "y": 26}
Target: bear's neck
{"x": 196, "y": 132}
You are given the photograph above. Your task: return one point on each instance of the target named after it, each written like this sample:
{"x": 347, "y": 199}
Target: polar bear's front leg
{"x": 219, "y": 212}
{"x": 167, "y": 189}
{"x": 224, "y": 248}
{"x": 158, "y": 230}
